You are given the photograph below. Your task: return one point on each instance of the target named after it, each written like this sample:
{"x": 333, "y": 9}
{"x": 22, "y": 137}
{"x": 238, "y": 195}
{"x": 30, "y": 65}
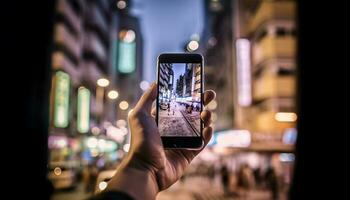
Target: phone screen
{"x": 179, "y": 99}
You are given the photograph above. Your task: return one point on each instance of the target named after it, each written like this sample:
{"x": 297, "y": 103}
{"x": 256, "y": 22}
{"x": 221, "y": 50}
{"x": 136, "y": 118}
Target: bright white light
{"x": 144, "y": 85}
{"x": 61, "y": 117}
{"x": 113, "y": 94}
{"x": 128, "y": 36}
{"x": 57, "y": 141}
{"x": 212, "y": 105}
{"x": 233, "y": 138}
{"x": 193, "y": 45}
{"x": 121, "y": 123}
{"x": 110, "y": 146}
{"x": 102, "y": 82}
{"x": 126, "y": 147}
{"x": 253, "y": 160}
{"x": 102, "y": 185}
{"x": 107, "y": 124}
{"x": 115, "y": 133}
{"x": 57, "y": 171}
{"x": 286, "y": 116}
{"x": 95, "y": 130}
{"x": 287, "y": 157}
{"x": 124, "y": 130}
{"x": 94, "y": 152}
{"x": 123, "y": 105}
{"x": 112, "y": 130}
{"x": 101, "y": 144}
{"x": 243, "y": 72}
{"x": 83, "y": 110}
{"x": 62, "y": 143}
{"x": 92, "y": 142}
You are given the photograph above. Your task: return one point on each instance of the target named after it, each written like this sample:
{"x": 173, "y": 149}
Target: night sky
{"x": 166, "y": 26}
{"x": 179, "y": 69}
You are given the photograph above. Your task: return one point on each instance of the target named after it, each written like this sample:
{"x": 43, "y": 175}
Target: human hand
{"x": 161, "y": 167}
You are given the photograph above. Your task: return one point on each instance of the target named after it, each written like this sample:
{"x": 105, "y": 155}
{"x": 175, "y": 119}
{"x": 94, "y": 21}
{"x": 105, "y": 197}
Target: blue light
{"x": 126, "y": 57}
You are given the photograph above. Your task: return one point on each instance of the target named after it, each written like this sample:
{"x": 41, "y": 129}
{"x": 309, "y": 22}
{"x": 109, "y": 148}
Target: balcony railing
{"x": 274, "y": 85}
{"x": 271, "y": 10}
{"x": 65, "y": 9}
{"x": 271, "y": 47}
{"x": 64, "y": 37}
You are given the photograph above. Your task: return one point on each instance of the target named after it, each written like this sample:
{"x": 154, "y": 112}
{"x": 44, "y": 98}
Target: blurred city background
{"x": 104, "y": 57}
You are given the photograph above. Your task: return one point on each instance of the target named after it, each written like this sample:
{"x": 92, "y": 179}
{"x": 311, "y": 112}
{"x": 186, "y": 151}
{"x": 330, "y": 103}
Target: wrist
{"x": 137, "y": 182}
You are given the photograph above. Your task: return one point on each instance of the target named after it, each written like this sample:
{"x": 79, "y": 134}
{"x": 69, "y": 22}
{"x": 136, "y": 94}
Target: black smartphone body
{"x": 180, "y": 100}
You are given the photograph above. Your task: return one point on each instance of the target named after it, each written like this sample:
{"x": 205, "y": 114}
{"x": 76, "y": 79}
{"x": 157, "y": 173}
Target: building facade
{"x": 166, "y": 80}
{"x": 268, "y": 56}
{"x": 95, "y": 45}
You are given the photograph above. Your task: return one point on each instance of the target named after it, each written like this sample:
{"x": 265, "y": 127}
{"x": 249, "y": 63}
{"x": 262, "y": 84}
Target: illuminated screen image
{"x": 179, "y": 99}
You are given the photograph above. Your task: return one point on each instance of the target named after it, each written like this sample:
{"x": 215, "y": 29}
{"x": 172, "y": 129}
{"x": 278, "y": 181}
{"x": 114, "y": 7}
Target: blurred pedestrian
{"x": 257, "y": 176}
{"x": 272, "y": 182}
{"x": 245, "y": 179}
{"x": 225, "y": 179}
{"x": 86, "y": 177}
{"x": 168, "y": 108}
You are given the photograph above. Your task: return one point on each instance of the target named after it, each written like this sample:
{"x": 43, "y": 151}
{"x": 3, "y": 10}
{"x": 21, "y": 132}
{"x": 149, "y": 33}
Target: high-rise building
{"x": 81, "y": 54}
{"x": 188, "y": 79}
{"x": 166, "y": 79}
{"x": 265, "y": 68}
{"x": 216, "y": 48}
{"x": 90, "y": 37}
{"x": 197, "y": 81}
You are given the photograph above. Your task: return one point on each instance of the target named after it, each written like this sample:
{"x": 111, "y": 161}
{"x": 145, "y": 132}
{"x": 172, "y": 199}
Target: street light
{"x": 121, "y": 123}
{"x": 192, "y": 45}
{"x": 113, "y": 94}
{"x": 123, "y": 105}
{"x": 102, "y": 82}
{"x": 102, "y": 185}
{"x": 126, "y": 147}
{"x": 144, "y": 85}
{"x": 57, "y": 171}
{"x": 121, "y": 4}
{"x": 95, "y": 130}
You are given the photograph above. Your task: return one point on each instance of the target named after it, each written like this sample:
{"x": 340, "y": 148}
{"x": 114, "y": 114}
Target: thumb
{"x": 145, "y": 102}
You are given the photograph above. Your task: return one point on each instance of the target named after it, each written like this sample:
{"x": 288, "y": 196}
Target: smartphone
{"x": 180, "y": 100}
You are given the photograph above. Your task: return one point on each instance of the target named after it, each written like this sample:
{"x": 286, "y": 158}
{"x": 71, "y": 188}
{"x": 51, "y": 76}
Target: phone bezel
{"x": 173, "y": 142}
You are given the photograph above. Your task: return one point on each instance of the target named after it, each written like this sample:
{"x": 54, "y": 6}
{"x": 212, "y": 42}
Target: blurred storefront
{"x": 97, "y": 48}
